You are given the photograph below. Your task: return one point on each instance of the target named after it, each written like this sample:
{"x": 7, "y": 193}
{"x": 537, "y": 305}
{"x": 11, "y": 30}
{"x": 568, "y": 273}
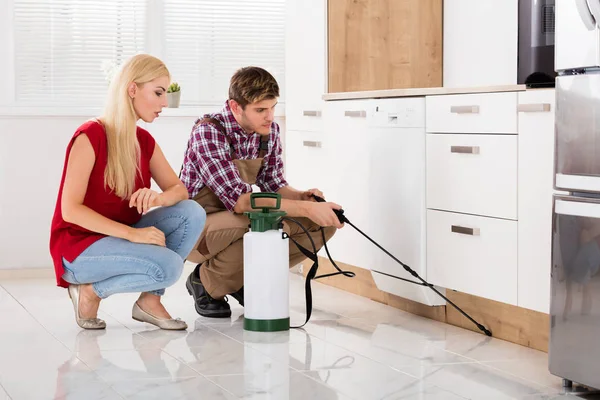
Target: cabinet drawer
{"x": 344, "y": 114}
{"x": 305, "y": 115}
{"x": 473, "y": 174}
{"x": 305, "y": 159}
{"x": 472, "y": 113}
{"x": 475, "y": 255}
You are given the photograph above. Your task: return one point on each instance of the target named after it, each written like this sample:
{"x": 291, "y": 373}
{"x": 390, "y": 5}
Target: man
{"x": 227, "y": 153}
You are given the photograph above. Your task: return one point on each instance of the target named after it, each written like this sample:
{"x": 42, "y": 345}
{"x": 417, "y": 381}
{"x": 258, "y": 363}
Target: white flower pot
{"x": 173, "y": 99}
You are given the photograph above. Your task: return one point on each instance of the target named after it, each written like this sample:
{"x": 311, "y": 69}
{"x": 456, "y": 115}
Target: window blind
{"x": 62, "y": 46}
{"x": 206, "y": 41}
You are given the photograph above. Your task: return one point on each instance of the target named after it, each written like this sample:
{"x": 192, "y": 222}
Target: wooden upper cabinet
{"x": 384, "y": 44}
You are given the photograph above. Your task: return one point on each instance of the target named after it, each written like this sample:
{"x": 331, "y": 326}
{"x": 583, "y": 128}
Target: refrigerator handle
{"x": 595, "y": 9}
{"x": 577, "y": 207}
{"x": 585, "y": 13}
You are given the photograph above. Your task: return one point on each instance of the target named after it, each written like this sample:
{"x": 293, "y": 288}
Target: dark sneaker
{"x": 239, "y": 296}
{"x": 205, "y": 305}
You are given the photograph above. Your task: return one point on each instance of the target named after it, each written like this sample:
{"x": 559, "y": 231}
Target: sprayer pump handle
{"x": 266, "y": 209}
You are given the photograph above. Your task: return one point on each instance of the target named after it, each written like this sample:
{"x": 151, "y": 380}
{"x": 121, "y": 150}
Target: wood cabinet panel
{"x": 384, "y": 44}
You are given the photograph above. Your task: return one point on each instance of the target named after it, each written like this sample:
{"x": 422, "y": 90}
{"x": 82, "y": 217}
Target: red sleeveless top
{"x": 69, "y": 240}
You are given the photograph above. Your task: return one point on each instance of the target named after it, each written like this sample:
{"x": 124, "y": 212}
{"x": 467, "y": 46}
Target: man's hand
{"x": 144, "y": 199}
{"x": 308, "y": 195}
{"x": 322, "y": 214}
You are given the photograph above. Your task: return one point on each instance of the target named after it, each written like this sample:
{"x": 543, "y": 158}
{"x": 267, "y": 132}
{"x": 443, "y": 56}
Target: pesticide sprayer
{"x": 266, "y": 260}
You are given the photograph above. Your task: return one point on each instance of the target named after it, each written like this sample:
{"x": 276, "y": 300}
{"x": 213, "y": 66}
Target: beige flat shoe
{"x": 169, "y": 324}
{"x": 85, "y": 323}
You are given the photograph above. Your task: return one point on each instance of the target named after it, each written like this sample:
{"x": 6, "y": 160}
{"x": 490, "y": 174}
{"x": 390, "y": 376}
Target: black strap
{"x": 309, "y": 277}
{"x": 263, "y": 146}
{"x": 207, "y": 120}
{"x": 312, "y": 272}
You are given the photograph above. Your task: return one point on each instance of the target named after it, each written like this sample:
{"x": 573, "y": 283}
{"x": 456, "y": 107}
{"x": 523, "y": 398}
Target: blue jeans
{"x": 113, "y": 265}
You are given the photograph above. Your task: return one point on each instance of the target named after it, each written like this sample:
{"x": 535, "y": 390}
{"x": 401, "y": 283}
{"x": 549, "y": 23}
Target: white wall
{"x": 32, "y": 152}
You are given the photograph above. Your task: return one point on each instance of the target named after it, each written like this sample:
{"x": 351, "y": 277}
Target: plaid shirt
{"x": 208, "y": 162}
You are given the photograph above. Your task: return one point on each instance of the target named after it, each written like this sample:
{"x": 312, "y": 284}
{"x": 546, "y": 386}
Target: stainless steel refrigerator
{"x": 574, "y": 348}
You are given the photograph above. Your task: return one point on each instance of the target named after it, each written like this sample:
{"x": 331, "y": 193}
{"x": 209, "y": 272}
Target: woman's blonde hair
{"x": 120, "y": 122}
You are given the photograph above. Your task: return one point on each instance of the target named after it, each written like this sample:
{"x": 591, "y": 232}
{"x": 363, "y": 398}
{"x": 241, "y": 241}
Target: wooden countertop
{"x": 378, "y": 94}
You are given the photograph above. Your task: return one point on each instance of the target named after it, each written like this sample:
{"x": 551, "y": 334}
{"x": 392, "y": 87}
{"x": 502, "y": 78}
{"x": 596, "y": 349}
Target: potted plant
{"x": 173, "y": 95}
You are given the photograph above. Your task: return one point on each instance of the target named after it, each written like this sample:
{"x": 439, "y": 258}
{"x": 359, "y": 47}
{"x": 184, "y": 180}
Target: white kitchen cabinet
{"x": 480, "y": 42}
{"x": 500, "y": 181}
{"x": 305, "y": 64}
{"x": 395, "y": 160}
{"x": 472, "y": 113}
{"x": 473, "y": 254}
{"x": 348, "y": 177}
{"x": 488, "y": 201}
{"x": 536, "y": 166}
{"x": 473, "y": 174}
{"x": 306, "y": 161}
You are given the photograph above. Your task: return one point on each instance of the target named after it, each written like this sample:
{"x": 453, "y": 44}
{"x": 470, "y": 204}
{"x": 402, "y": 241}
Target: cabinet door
{"x": 480, "y": 42}
{"x": 472, "y": 113}
{"x": 305, "y": 159}
{"x": 384, "y": 44}
{"x": 347, "y": 177}
{"x": 396, "y": 200}
{"x": 305, "y": 64}
{"x": 473, "y": 174}
{"x": 472, "y": 254}
{"x": 535, "y": 172}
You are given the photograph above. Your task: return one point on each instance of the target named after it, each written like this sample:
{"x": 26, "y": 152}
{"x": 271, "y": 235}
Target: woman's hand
{"x": 150, "y": 235}
{"x": 145, "y": 199}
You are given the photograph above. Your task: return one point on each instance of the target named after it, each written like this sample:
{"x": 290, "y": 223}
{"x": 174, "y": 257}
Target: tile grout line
{"x": 327, "y": 386}
{"x": 482, "y": 364}
{"x": 200, "y": 374}
{"x": 516, "y": 376}
{"x": 73, "y": 353}
{"x": 485, "y": 363}
{"x": 5, "y": 391}
{"x": 208, "y": 377}
{"x": 330, "y": 344}
{"x": 350, "y": 350}
{"x": 366, "y": 323}
{"x": 291, "y": 368}
{"x": 34, "y": 318}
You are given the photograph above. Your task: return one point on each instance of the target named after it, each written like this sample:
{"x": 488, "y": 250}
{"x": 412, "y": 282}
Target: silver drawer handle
{"x": 464, "y": 109}
{"x": 311, "y": 113}
{"x": 463, "y": 230}
{"x": 464, "y": 149}
{"x": 541, "y": 107}
{"x": 356, "y": 114}
{"x": 309, "y": 143}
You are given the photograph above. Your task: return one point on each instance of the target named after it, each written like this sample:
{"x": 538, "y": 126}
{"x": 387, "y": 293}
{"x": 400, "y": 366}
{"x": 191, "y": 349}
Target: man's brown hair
{"x": 252, "y": 84}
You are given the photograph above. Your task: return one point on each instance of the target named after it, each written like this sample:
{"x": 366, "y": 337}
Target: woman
{"x": 104, "y": 238}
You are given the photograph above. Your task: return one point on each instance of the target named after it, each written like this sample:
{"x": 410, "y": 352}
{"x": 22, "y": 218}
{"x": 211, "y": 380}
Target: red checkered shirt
{"x": 208, "y": 162}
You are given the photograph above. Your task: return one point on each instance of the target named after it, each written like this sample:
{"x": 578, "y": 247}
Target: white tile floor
{"x": 353, "y": 348}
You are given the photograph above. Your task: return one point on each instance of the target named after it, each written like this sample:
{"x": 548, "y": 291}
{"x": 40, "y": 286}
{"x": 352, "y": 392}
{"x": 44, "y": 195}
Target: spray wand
{"x": 344, "y": 220}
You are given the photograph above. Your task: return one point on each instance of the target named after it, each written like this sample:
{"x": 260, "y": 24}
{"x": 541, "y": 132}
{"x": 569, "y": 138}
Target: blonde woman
{"x": 104, "y": 238}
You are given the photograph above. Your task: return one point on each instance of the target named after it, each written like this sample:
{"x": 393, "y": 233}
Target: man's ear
{"x": 235, "y": 107}
{"x": 132, "y": 90}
